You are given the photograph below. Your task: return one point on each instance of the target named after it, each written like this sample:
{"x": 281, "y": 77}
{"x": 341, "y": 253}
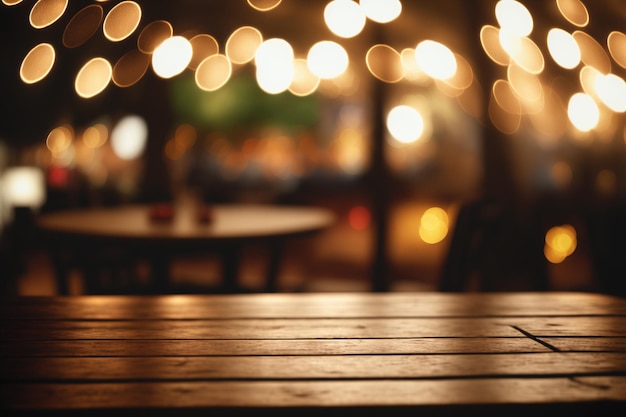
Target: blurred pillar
{"x": 380, "y": 181}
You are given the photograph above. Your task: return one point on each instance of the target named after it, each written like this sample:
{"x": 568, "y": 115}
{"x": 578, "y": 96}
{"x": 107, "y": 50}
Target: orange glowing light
{"x": 264, "y": 5}
{"x": 153, "y": 35}
{"x": 203, "y": 46}
{"x": 83, "y": 26}
{"x": 560, "y": 242}
{"x": 304, "y": 81}
{"x": 130, "y": 68}
{"x": 59, "y": 139}
{"x": 433, "y": 225}
{"x": 616, "y": 42}
{"x": 95, "y": 136}
{"x": 505, "y": 97}
{"x": 38, "y": 63}
{"x": 385, "y": 63}
{"x": 490, "y": 41}
{"x": 505, "y": 122}
{"x": 574, "y": 11}
{"x": 592, "y": 53}
{"x": 93, "y": 77}
{"x": 359, "y": 218}
{"x": 46, "y": 12}
{"x": 121, "y": 21}
{"x": 242, "y": 44}
{"x": 213, "y": 73}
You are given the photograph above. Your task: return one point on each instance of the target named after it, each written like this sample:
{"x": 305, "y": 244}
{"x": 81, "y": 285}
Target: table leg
{"x": 160, "y": 272}
{"x": 61, "y": 272}
{"x": 273, "y": 267}
{"x": 231, "y": 256}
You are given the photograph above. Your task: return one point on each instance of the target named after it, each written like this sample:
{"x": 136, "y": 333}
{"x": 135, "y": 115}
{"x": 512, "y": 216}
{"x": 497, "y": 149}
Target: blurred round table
{"x": 228, "y": 230}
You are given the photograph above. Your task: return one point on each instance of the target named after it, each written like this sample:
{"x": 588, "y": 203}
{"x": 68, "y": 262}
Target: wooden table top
{"x": 229, "y": 222}
{"x": 324, "y": 353}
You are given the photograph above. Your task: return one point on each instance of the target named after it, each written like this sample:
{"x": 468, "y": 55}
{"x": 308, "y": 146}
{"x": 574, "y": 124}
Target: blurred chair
{"x": 495, "y": 246}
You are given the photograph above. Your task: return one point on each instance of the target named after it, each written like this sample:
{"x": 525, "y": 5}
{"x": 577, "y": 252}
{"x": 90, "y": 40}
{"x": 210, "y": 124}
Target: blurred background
{"x": 463, "y": 146}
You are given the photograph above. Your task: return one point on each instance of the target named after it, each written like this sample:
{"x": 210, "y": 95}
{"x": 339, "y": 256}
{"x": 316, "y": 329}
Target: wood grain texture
{"x": 303, "y": 347}
{"x": 311, "y": 367}
{"x": 327, "y": 328}
{"x": 310, "y": 354}
{"x": 275, "y": 395}
{"x": 312, "y": 305}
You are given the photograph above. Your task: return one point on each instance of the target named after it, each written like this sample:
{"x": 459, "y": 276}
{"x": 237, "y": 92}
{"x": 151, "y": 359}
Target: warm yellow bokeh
{"x": 560, "y": 242}
{"x": 434, "y": 225}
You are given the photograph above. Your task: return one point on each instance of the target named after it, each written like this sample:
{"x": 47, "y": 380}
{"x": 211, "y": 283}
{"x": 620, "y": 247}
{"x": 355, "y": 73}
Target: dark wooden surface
{"x": 323, "y": 354}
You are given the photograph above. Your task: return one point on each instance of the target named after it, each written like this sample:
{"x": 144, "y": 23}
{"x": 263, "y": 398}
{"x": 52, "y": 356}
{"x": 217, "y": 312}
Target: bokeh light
{"x": 60, "y": 139}
{"x": 274, "y": 65}
{"x": 327, "y": 59}
{"x": 83, "y": 26}
{"x": 385, "y": 63}
{"x": 213, "y": 73}
{"x": 381, "y": 11}
{"x": 264, "y": 5}
{"x": 527, "y": 87}
{"x": 242, "y": 44}
{"x": 591, "y": 52}
{"x": 153, "y": 35}
{"x": 130, "y": 68}
{"x": 304, "y": 81}
{"x": 405, "y": 124}
{"x": 93, "y": 77}
{"x": 121, "y": 21}
{"x": 95, "y": 136}
{"x": 38, "y": 63}
{"x": 523, "y": 51}
{"x": 612, "y": 91}
{"x": 129, "y": 137}
{"x": 272, "y": 51}
{"x": 583, "y": 112}
{"x": 172, "y": 56}
{"x": 505, "y": 97}
{"x": 344, "y": 18}
{"x": 23, "y": 186}
{"x": 276, "y": 78}
{"x": 46, "y": 12}
{"x": 359, "y": 218}
{"x": 435, "y": 59}
{"x": 560, "y": 242}
{"x": 574, "y": 11}
{"x": 514, "y": 18}
{"x": 616, "y": 42}
{"x": 563, "y": 48}
{"x": 434, "y": 225}
{"x": 203, "y": 46}
{"x": 490, "y": 41}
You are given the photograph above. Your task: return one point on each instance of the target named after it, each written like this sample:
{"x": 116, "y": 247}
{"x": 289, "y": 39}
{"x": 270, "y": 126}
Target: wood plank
{"x": 587, "y": 344}
{"x": 63, "y": 369}
{"x": 177, "y": 348}
{"x": 613, "y": 326}
{"x": 261, "y": 329}
{"x": 312, "y": 305}
{"x": 238, "y": 397}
